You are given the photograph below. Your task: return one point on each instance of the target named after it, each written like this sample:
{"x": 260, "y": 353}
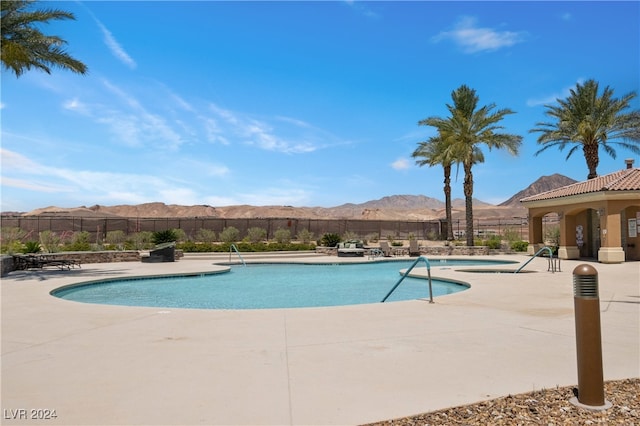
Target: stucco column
{"x": 611, "y": 250}
{"x": 568, "y": 248}
{"x": 536, "y": 239}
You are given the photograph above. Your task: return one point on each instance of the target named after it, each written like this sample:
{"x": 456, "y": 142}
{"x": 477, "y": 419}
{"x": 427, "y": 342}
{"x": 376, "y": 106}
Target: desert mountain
{"x": 543, "y": 184}
{"x": 395, "y": 207}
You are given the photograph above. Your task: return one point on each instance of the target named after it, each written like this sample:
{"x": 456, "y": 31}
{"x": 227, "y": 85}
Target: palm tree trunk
{"x": 590, "y": 151}
{"x": 468, "y": 202}
{"x": 447, "y": 201}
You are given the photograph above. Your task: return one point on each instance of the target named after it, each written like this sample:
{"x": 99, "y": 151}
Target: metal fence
{"x": 99, "y": 227}
{"x": 381, "y": 229}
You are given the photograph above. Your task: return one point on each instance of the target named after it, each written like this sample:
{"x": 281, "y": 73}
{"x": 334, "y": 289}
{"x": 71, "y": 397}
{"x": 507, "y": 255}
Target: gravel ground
{"x": 545, "y": 407}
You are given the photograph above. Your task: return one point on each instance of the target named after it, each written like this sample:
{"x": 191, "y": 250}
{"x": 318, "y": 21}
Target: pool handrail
{"x": 234, "y": 248}
{"x": 426, "y": 261}
{"x": 534, "y": 256}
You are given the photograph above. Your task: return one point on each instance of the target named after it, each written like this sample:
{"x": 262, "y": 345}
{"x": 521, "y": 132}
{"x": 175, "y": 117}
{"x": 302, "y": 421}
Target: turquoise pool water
{"x": 266, "y": 286}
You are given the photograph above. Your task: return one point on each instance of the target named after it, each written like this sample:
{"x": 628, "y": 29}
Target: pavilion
{"x": 598, "y": 218}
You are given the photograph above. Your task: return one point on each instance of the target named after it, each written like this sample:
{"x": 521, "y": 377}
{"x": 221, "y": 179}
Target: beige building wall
{"x": 591, "y": 226}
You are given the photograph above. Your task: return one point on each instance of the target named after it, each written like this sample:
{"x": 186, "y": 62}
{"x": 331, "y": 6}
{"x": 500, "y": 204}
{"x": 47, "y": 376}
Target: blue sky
{"x": 296, "y": 103}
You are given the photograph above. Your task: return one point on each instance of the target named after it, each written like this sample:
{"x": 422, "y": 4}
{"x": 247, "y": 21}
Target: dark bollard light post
{"x": 586, "y": 303}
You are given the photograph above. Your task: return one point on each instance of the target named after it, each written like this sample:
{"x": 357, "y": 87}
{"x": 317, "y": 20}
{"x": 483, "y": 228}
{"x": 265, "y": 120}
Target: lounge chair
{"x": 414, "y": 250}
{"x": 386, "y": 250}
{"x": 350, "y": 248}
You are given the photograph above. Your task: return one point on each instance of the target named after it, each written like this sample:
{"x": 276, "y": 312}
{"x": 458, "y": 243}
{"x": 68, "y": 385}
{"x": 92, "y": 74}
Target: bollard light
{"x": 586, "y": 303}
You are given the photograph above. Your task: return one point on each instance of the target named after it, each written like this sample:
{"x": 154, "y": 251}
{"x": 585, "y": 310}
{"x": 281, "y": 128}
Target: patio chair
{"x": 386, "y": 250}
{"x": 414, "y": 250}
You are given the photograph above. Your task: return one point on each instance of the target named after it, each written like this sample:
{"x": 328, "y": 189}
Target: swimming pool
{"x": 268, "y": 286}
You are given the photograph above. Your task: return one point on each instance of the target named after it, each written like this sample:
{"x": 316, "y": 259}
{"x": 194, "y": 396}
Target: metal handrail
{"x": 426, "y": 261}
{"x": 234, "y": 248}
{"x": 534, "y": 256}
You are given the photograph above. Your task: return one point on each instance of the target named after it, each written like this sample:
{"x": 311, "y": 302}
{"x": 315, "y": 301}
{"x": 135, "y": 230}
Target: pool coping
{"x": 97, "y": 364}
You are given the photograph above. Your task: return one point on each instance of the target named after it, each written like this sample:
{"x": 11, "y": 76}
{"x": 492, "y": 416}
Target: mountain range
{"x": 394, "y": 207}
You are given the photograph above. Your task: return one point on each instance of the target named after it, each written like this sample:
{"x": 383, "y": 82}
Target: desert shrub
{"x": 230, "y": 234}
{"x": 180, "y": 235}
{"x": 330, "y": 240}
{"x": 282, "y": 236}
{"x": 116, "y": 239}
{"x": 66, "y": 237}
{"x": 11, "y": 239}
{"x": 519, "y": 245}
{"x": 493, "y": 242}
{"x": 349, "y": 236}
{"x": 205, "y": 235}
{"x": 166, "y": 236}
{"x": 12, "y": 234}
{"x": 432, "y": 236}
{"x": 373, "y": 237}
{"x": 194, "y": 247}
{"x": 511, "y": 234}
{"x": 256, "y": 234}
{"x": 12, "y": 247}
{"x": 411, "y": 236}
{"x": 80, "y": 241}
{"x": 31, "y": 247}
{"x": 253, "y": 247}
{"x": 244, "y": 246}
{"x": 140, "y": 241}
{"x": 304, "y": 236}
{"x": 49, "y": 241}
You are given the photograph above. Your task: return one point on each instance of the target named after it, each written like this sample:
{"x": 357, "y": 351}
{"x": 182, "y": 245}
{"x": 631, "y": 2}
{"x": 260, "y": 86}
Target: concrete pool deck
{"x": 107, "y": 365}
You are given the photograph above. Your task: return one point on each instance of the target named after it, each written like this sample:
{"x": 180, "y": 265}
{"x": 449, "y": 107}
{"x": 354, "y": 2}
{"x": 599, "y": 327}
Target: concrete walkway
{"x": 108, "y": 365}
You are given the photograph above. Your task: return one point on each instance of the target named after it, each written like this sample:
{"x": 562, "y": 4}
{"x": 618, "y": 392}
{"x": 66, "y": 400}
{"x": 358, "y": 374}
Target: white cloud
{"x": 474, "y": 39}
{"x": 401, "y": 164}
{"x": 261, "y": 133}
{"x": 77, "y": 106}
{"x": 551, "y": 98}
{"x": 13, "y": 161}
{"x": 295, "y": 122}
{"x": 104, "y": 187}
{"x": 133, "y": 125}
{"x": 226, "y": 114}
{"x": 115, "y": 47}
{"x": 33, "y": 185}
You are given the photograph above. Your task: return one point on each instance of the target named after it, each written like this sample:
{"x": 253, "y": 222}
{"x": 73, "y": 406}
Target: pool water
{"x": 265, "y": 286}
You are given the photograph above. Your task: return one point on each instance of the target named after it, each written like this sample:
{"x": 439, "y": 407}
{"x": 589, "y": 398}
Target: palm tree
{"x": 591, "y": 121}
{"x": 23, "y": 46}
{"x": 466, "y": 129}
{"x": 436, "y": 152}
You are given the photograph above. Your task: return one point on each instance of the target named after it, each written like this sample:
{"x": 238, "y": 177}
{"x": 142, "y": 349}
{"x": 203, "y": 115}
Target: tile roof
{"x": 623, "y": 180}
